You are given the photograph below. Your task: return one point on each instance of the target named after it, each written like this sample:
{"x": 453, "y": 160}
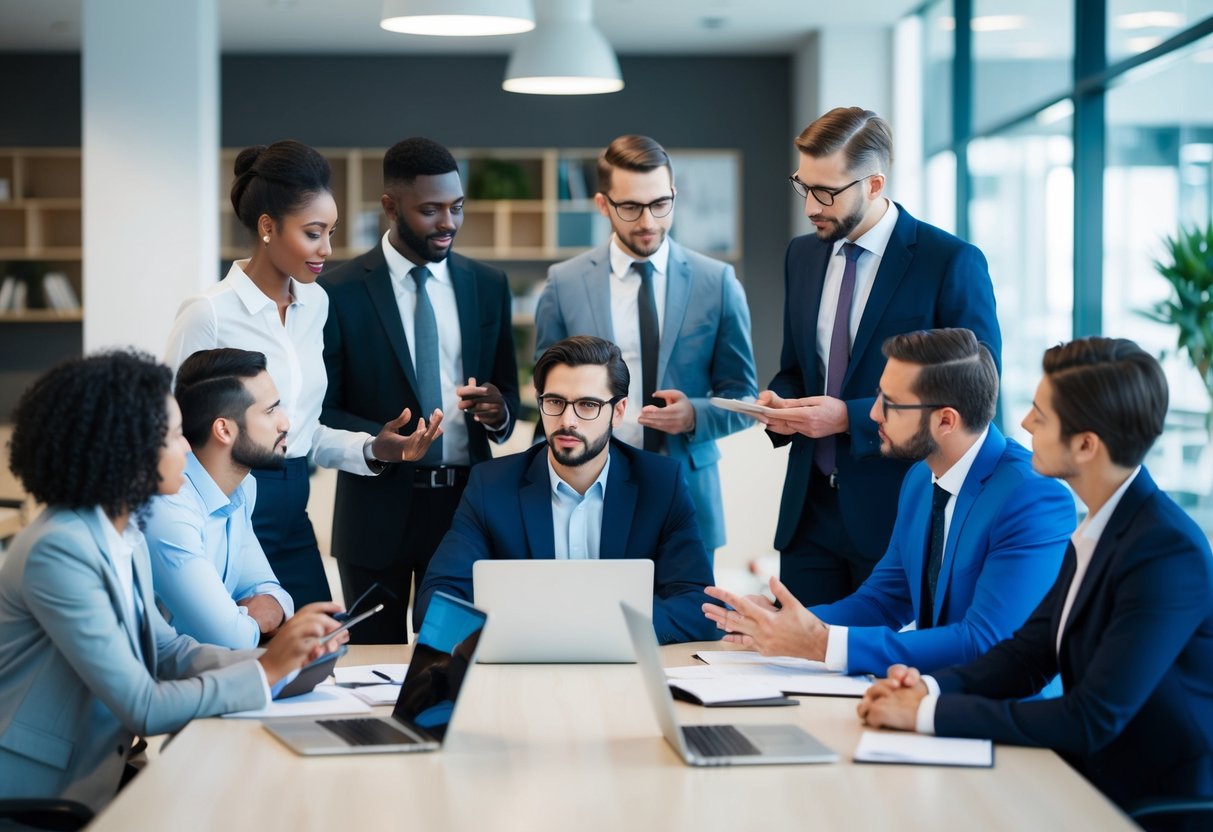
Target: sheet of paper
{"x": 362, "y": 674}
{"x": 692, "y": 671}
{"x": 750, "y": 659}
{"x": 322, "y": 701}
{"x": 785, "y": 679}
{"x": 816, "y": 684}
{"x": 881, "y": 747}
{"x": 742, "y": 406}
{"x": 730, "y": 689}
{"x": 377, "y": 694}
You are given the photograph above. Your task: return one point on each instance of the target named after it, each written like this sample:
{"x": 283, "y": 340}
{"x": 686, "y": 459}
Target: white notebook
{"x": 917, "y": 749}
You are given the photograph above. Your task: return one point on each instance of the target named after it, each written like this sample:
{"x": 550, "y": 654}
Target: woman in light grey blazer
{"x": 86, "y": 661}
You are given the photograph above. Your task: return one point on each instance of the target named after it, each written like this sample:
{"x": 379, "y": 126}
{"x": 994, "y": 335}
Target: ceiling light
{"x": 564, "y": 55}
{"x": 998, "y": 23}
{"x": 465, "y": 18}
{"x": 1142, "y": 44}
{"x": 1150, "y": 20}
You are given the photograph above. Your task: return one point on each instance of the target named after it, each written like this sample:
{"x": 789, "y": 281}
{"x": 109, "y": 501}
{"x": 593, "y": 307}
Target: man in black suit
{"x": 410, "y": 320}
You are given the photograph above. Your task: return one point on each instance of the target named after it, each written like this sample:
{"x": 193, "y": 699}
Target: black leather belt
{"x": 440, "y": 476}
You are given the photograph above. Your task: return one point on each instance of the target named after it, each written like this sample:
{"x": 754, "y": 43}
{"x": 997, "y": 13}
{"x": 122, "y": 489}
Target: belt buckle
{"x": 442, "y": 477}
{"x": 833, "y": 479}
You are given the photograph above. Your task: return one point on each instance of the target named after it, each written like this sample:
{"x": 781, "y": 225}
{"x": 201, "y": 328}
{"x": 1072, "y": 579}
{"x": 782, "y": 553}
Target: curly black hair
{"x": 90, "y": 432}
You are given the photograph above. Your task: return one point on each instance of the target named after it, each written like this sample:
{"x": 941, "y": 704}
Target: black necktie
{"x": 650, "y": 343}
{"x": 939, "y": 502}
{"x": 825, "y": 450}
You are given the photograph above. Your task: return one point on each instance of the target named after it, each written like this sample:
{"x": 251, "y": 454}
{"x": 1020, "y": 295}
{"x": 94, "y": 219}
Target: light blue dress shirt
{"x": 205, "y": 557}
{"x": 577, "y": 518}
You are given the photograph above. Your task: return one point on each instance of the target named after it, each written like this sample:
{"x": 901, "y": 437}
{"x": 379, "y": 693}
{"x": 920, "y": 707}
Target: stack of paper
{"x": 322, "y": 701}
{"x": 787, "y": 675}
{"x": 916, "y": 749}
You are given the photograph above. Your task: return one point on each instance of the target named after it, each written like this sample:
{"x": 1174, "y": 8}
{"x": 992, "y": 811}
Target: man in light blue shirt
{"x": 209, "y": 571}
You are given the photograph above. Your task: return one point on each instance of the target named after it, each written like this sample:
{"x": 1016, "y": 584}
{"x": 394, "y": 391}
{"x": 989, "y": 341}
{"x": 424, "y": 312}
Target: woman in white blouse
{"x": 269, "y": 303}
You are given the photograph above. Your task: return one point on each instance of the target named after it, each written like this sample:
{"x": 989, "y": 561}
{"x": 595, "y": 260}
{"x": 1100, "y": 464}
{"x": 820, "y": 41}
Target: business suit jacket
{"x": 371, "y": 379}
{"x": 927, "y": 279}
{"x": 705, "y": 351}
{"x": 1002, "y": 554}
{"x": 506, "y": 513}
{"x": 79, "y": 679}
{"x": 1136, "y": 718}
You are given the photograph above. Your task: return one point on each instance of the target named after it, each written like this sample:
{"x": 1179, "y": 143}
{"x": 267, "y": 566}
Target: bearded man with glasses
{"x": 870, "y": 271}
{"x": 581, "y": 495}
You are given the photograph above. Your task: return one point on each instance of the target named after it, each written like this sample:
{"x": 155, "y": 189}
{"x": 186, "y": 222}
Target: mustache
{"x": 569, "y": 432}
{"x": 280, "y": 440}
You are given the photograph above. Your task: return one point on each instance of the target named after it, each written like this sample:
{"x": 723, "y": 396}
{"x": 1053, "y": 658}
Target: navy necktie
{"x": 425, "y": 355}
{"x": 650, "y": 343}
{"x": 826, "y": 448}
{"x": 939, "y": 504}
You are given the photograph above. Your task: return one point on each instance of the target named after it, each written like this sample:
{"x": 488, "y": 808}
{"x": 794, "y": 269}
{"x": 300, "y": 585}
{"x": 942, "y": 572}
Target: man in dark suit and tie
{"x": 582, "y": 495}
{"x": 1128, "y": 623}
{"x": 410, "y": 320}
{"x": 869, "y": 272}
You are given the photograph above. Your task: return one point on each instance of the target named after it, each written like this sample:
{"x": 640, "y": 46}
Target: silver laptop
{"x": 445, "y": 650}
{"x": 716, "y": 745}
{"x": 559, "y": 610}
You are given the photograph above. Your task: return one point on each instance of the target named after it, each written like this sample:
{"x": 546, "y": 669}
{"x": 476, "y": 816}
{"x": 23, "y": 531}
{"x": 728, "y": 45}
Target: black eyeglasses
{"x": 586, "y": 409}
{"x": 887, "y": 405}
{"x": 821, "y": 193}
{"x": 631, "y": 211}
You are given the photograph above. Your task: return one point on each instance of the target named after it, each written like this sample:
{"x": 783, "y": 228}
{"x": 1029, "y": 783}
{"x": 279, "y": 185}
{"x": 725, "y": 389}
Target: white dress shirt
{"x": 625, "y": 323}
{"x": 577, "y": 518}
{"x": 235, "y": 313}
{"x": 952, "y": 481}
{"x": 873, "y": 243}
{"x": 441, "y": 292}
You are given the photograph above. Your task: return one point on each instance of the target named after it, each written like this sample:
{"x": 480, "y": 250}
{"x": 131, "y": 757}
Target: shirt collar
{"x": 876, "y": 239}
{"x": 560, "y": 488}
{"x": 954, "y": 478}
{"x": 1092, "y": 528}
{"x": 216, "y": 502}
{"x": 622, "y": 260}
{"x": 399, "y": 266}
{"x": 254, "y": 299}
{"x": 119, "y": 544}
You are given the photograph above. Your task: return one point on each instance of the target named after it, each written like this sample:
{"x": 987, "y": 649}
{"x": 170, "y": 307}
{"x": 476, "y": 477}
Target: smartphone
{"x": 350, "y": 622}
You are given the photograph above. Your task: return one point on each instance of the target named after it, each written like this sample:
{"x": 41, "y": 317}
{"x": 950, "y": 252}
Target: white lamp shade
{"x": 458, "y": 18}
{"x": 563, "y": 57}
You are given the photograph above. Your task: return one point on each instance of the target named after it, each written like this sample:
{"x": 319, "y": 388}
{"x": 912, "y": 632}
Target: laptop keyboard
{"x": 719, "y": 741}
{"x": 370, "y": 731}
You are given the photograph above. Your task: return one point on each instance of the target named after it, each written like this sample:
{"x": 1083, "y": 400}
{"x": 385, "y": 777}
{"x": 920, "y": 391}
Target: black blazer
{"x": 371, "y": 379}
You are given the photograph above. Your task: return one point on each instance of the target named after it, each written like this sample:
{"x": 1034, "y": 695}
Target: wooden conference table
{"x": 576, "y": 747}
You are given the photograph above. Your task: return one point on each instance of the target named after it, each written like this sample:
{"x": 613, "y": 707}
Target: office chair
{"x": 1175, "y": 813}
{"x": 45, "y": 813}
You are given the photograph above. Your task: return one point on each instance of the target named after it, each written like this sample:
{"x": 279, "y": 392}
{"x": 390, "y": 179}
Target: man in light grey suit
{"x": 680, "y": 319}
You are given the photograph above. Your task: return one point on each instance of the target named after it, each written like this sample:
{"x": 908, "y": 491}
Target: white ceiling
{"x": 352, "y": 26}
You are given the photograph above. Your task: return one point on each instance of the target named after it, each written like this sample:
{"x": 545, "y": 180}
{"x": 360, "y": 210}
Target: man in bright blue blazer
{"x": 581, "y": 495}
{"x": 1129, "y": 622}
{"x": 978, "y": 539}
{"x": 703, "y": 341}
{"x": 891, "y": 274}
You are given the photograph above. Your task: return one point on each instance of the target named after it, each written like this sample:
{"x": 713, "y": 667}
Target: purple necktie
{"x": 840, "y": 353}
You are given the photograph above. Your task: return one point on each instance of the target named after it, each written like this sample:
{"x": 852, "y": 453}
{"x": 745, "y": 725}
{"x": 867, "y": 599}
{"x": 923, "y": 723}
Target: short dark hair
{"x": 580, "y": 350}
{"x": 955, "y": 369}
{"x": 90, "y": 432}
{"x": 1112, "y": 388}
{"x": 277, "y": 180}
{"x": 865, "y": 138}
{"x": 416, "y": 156}
{"x": 210, "y": 386}
{"x": 635, "y": 153}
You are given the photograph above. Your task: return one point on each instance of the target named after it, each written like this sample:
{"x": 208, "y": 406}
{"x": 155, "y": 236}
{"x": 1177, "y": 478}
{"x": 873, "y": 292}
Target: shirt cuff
{"x": 836, "y": 648}
{"x": 265, "y": 685}
{"x": 925, "y": 721}
{"x": 376, "y": 466}
{"x": 495, "y": 431}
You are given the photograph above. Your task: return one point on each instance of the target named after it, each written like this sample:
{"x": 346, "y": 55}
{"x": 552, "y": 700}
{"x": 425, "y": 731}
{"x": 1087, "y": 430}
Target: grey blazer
{"x": 78, "y": 678}
{"x": 705, "y": 351}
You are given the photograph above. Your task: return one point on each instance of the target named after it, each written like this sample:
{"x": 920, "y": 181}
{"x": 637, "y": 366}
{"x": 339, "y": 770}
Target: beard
{"x": 842, "y": 226}
{"x": 578, "y": 456}
{"x": 248, "y": 454}
{"x": 639, "y": 248}
{"x": 917, "y": 447}
{"x": 421, "y": 245}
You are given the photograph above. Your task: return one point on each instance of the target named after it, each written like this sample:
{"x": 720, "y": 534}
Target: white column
{"x": 150, "y": 165}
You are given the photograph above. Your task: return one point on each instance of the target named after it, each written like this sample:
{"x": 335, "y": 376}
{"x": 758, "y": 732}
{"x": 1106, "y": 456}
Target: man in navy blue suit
{"x": 582, "y": 495}
{"x": 869, "y": 272}
{"x": 1129, "y": 622}
{"x": 979, "y": 536}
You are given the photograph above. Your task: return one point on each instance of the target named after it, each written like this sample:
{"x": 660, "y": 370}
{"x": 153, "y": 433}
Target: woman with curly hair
{"x": 86, "y": 660}
{"x": 270, "y": 303}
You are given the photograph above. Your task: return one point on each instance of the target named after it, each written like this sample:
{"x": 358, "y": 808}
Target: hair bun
{"x": 247, "y": 158}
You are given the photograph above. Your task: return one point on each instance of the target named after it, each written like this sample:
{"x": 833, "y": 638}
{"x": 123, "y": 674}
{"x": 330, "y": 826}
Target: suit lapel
{"x": 677, "y": 298}
{"x": 145, "y": 598}
{"x": 596, "y": 282}
{"x": 383, "y": 300}
{"x": 813, "y": 280}
{"x": 468, "y": 303}
{"x": 898, "y": 255}
{"x": 535, "y": 499}
{"x": 618, "y": 507}
{"x": 93, "y": 523}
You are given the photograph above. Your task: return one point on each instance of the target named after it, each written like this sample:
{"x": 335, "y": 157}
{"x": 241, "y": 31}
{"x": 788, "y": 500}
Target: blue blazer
{"x": 506, "y": 512}
{"x": 1004, "y": 548}
{"x": 79, "y": 679}
{"x": 926, "y": 279}
{"x": 705, "y": 351}
{"x": 1136, "y": 661}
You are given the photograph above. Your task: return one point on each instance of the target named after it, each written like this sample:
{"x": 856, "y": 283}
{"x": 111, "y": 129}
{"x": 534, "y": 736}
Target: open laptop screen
{"x": 445, "y": 647}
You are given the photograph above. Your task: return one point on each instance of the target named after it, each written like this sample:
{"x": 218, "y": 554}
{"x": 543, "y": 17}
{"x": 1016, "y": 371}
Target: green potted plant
{"x": 1187, "y": 265}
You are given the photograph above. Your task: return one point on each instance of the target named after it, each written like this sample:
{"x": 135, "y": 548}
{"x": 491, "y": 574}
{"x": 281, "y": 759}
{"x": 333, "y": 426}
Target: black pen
{"x": 383, "y": 676}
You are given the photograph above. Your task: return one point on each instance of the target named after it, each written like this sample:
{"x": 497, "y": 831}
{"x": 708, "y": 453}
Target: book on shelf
{"x": 58, "y": 292}
{"x": 7, "y": 288}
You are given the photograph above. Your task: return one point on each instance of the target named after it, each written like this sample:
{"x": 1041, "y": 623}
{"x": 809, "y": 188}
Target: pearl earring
{"x": 266, "y": 239}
